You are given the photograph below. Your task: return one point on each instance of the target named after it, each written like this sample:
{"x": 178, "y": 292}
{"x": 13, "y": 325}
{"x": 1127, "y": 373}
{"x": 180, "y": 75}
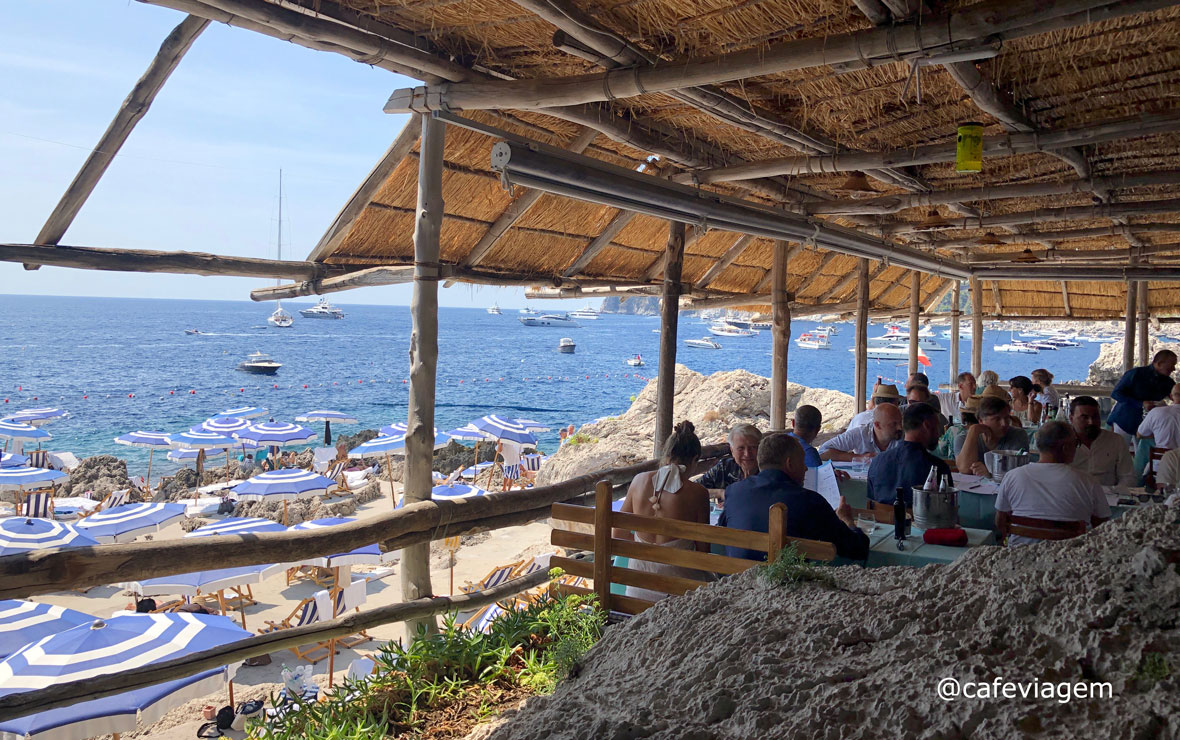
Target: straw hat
{"x": 972, "y": 404}
{"x": 883, "y": 390}
{"x": 995, "y": 391}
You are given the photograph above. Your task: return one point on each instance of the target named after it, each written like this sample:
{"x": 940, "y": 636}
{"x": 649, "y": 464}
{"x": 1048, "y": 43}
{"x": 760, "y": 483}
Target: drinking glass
{"x": 866, "y": 523}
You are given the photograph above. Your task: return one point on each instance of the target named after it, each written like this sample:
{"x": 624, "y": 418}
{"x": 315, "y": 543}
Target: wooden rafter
{"x": 1047, "y": 215}
{"x": 725, "y": 260}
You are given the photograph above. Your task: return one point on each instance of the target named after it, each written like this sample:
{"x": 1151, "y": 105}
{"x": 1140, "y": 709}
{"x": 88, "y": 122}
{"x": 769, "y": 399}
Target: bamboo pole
{"x": 1065, "y": 298}
{"x": 781, "y": 318}
{"x": 915, "y": 313}
{"x": 600, "y": 242}
{"x": 1047, "y": 215}
{"x": 726, "y": 260}
{"x": 1037, "y": 236}
{"x": 134, "y": 108}
{"x": 415, "y": 565}
{"x": 669, "y": 318}
{"x": 1142, "y": 316}
{"x": 956, "y": 294}
{"x": 976, "y": 327}
{"x": 861, "y": 345}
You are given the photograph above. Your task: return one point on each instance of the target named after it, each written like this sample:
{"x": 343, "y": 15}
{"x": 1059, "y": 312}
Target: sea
{"x": 119, "y": 365}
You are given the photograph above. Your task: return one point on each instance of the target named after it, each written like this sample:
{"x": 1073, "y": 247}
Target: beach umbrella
{"x": 111, "y": 647}
{"x": 366, "y": 555}
{"x": 394, "y": 429}
{"x": 285, "y": 484}
{"x": 15, "y": 431}
{"x": 23, "y": 534}
{"x": 13, "y": 460}
{"x": 23, "y": 622}
{"x": 182, "y": 455}
{"x": 191, "y": 440}
{"x": 25, "y": 479}
{"x": 503, "y": 428}
{"x": 37, "y": 417}
{"x": 237, "y": 525}
{"x": 243, "y": 412}
{"x": 532, "y": 426}
{"x": 452, "y": 492}
{"x": 327, "y": 417}
{"x": 467, "y": 432}
{"x": 126, "y": 522}
{"x": 150, "y": 440}
{"x": 202, "y": 582}
{"x": 226, "y": 425}
{"x": 276, "y": 434}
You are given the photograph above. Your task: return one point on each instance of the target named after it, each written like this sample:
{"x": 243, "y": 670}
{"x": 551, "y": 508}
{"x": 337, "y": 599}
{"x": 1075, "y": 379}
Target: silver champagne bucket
{"x": 999, "y": 462}
{"x": 936, "y": 509}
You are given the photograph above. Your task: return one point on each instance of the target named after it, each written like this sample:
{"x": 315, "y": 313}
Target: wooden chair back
{"x": 38, "y": 458}
{"x": 605, "y": 546}
{"x": 38, "y": 504}
{"x": 1045, "y": 529}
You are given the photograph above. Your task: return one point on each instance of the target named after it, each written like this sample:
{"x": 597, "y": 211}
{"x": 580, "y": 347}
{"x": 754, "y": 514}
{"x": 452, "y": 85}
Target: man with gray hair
{"x": 1050, "y": 488}
{"x": 741, "y": 463}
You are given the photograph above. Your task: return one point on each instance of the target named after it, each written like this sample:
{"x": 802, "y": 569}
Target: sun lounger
{"x": 304, "y": 613}
{"x": 354, "y": 479}
{"x": 344, "y": 599}
{"x": 113, "y": 499}
{"x": 321, "y": 458}
{"x": 482, "y": 620}
{"x": 66, "y": 461}
{"x": 38, "y": 504}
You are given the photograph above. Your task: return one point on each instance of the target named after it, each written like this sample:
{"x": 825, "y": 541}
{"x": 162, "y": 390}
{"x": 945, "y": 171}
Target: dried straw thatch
{"x": 1084, "y": 75}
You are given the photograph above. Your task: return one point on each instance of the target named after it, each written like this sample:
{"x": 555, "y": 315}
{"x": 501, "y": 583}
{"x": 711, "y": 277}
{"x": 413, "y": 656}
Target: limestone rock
{"x": 1108, "y": 368}
{"x": 714, "y": 404}
{"x": 314, "y": 508}
{"x": 100, "y": 474}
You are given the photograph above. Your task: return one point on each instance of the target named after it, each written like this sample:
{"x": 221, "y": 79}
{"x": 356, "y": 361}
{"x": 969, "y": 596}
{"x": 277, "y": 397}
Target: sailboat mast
{"x": 280, "y": 256}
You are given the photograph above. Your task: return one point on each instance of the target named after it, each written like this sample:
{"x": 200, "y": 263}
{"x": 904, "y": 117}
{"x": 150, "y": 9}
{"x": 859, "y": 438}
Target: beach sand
{"x": 478, "y": 554}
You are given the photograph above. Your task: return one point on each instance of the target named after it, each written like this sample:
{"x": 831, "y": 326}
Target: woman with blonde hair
{"x": 667, "y": 493}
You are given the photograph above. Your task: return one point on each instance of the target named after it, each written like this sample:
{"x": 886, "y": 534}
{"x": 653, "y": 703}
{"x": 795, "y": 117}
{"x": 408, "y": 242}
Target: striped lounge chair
{"x": 304, "y": 613}
{"x": 38, "y": 504}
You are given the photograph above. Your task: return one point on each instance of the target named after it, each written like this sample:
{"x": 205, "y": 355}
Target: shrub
{"x": 790, "y": 569}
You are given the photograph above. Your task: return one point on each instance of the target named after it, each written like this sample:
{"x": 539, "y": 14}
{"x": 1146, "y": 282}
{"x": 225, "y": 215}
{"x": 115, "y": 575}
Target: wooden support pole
{"x": 134, "y": 108}
{"x": 602, "y": 538}
{"x": 976, "y": 327}
{"x": 861, "y": 342}
{"x": 669, "y": 316}
{"x": 781, "y": 341}
{"x": 1129, "y": 328}
{"x": 1142, "y": 315}
{"x": 1065, "y": 298}
{"x": 956, "y": 297}
{"x": 415, "y": 565}
{"x": 915, "y": 315}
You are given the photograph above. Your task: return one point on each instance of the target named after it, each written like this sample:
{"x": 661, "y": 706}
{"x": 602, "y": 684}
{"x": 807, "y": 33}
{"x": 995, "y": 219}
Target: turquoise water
{"x": 118, "y": 365}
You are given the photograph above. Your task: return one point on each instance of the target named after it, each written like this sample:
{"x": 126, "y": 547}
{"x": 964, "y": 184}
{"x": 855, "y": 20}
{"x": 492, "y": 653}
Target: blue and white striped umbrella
{"x": 182, "y": 455}
{"x": 125, "y": 523}
{"x": 22, "y": 534}
{"x": 396, "y": 428}
{"x": 110, "y": 647}
{"x": 532, "y": 426}
{"x": 242, "y": 412}
{"x": 276, "y": 434}
{"x": 468, "y": 433}
{"x": 201, "y": 441}
{"x": 395, "y": 445}
{"x": 450, "y": 492}
{"x": 237, "y": 525}
{"x": 226, "y": 425}
{"x": 144, "y": 439}
{"x": 202, "y": 582}
{"x": 500, "y": 427}
{"x": 19, "y": 432}
{"x": 13, "y": 460}
{"x": 338, "y": 417}
{"x": 37, "y": 417}
{"x": 287, "y": 483}
{"x": 366, "y": 555}
{"x": 22, "y": 622}
{"x": 27, "y": 479}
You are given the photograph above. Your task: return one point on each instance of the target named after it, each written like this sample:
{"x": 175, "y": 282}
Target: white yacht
{"x": 830, "y": 330}
{"x": 322, "y": 310}
{"x": 494, "y": 310}
{"x": 762, "y": 325}
{"x": 527, "y": 312}
{"x": 895, "y": 334}
{"x": 1023, "y": 349}
{"x": 964, "y": 333}
{"x": 896, "y": 351}
{"x": 584, "y": 314}
{"x": 258, "y": 363}
{"x": 280, "y": 318}
{"x": 549, "y": 319}
{"x": 726, "y": 329}
{"x": 702, "y": 343}
{"x": 814, "y": 340}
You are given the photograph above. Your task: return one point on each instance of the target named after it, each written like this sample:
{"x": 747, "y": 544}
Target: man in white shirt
{"x": 1050, "y": 489}
{"x": 1167, "y": 470}
{"x": 1100, "y": 452}
{"x": 867, "y": 440}
{"x": 881, "y": 394}
{"x": 1162, "y": 423}
{"x": 951, "y": 402}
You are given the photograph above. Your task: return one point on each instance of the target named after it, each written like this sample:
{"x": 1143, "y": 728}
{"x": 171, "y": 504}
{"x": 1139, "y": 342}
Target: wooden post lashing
{"x": 781, "y": 345}
{"x": 669, "y": 316}
{"x": 956, "y": 296}
{"x": 415, "y": 565}
{"x": 915, "y": 309}
{"x": 976, "y": 328}
{"x": 860, "y": 363}
{"x": 777, "y": 531}
{"x": 603, "y": 515}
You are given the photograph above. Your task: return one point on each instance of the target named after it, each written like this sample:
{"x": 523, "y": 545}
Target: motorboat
{"x": 322, "y": 310}
{"x": 566, "y": 346}
{"x": 1101, "y": 339}
{"x": 636, "y": 361}
{"x": 494, "y": 310}
{"x": 549, "y": 319}
{"x": 896, "y": 351}
{"x": 1037, "y": 344}
{"x": 193, "y": 331}
{"x": 964, "y": 333}
{"x": 280, "y": 319}
{"x": 527, "y": 312}
{"x": 259, "y": 363}
{"x": 737, "y": 323}
{"x": 761, "y": 325}
{"x": 702, "y": 343}
{"x": 585, "y": 314}
{"x": 725, "y": 329}
{"x": 1061, "y": 341}
{"x": 814, "y": 340}
{"x": 828, "y": 329}
{"x": 1023, "y": 349}
{"x": 895, "y": 334}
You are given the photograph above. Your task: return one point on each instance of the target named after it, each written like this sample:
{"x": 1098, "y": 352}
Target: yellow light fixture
{"x": 969, "y": 148}
{"x": 857, "y": 183}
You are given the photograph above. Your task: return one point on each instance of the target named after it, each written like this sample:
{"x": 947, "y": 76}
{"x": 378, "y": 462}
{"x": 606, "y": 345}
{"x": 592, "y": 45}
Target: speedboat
{"x": 549, "y": 319}
{"x": 1023, "y": 349}
{"x": 761, "y": 325}
{"x": 566, "y": 346}
{"x": 527, "y": 312}
{"x": 193, "y": 331}
{"x": 895, "y": 334}
{"x": 702, "y": 343}
{"x": 1037, "y": 344}
{"x": 725, "y": 329}
{"x": 964, "y": 333}
{"x": 814, "y": 340}
{"x": 280, "y": 319}
{"x": 259, "y": 363}
{"x": 587, "y": 314}
{"x": 828, "y": 329}
{"x": 636, "y": 361}
{"x": 494, "y": 310}
{"x": 896, "y": 351}
{"x": 1061, "y": 341}
{"x": 322, "y": 310}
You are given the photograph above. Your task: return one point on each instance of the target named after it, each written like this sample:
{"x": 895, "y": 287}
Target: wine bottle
{"x": 899, "y": 516}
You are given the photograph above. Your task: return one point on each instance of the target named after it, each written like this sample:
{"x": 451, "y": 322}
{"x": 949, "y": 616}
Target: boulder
{"x": 100, "y": 474}
{"x": 1108, "y": 368}
{"x": 713, "y": 403}
{"x": 314, "y": 508}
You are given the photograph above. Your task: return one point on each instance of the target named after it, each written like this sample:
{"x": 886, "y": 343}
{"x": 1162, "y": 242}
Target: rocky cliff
{"x": 1108, "y": 368}
{"x": 635, "y": 305}
{"x": 100, "y": 474}
{"x": 713, "y": 403}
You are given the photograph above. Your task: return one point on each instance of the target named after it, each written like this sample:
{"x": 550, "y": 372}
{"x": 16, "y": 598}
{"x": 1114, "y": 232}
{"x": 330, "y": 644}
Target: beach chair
{"x": 321, "y": 458}
{"x": 482, "y": 620}
{"x": 305, "y": 612}
{"x": 335, "y": 471}
{"x": 113, "y": 499}
{"x": 38, "y": 504}
{"x": 38, "y": 459}
{"x": 323, "y": 577}
{"x": 350, "y": 597}
{"x": 497, "y": 576}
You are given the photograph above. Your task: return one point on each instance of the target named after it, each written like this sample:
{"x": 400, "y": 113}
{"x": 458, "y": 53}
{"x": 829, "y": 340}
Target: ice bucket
{"x": 999, "y": 462}
{"x": 936, "y": 509}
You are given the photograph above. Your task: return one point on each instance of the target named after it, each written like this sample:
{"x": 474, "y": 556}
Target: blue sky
{"x": 200, "y": 170}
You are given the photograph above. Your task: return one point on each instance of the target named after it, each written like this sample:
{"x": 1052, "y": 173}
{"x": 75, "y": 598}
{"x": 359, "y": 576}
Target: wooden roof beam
{"x": 845, "y": 282}
{"x": 1074, "y": 255}
{"x": 1081, "y": 273}
{"x": 1048, "y": 215}
{"x": 1059, "y": 235}
{"x": 599, "y": 243}
{"x": 727, "y": 259}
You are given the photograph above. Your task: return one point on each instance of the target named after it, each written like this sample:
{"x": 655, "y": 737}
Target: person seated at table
{"x": 809, "y": 515}
{"x": 867, "y": 440}
{"x": 1162, "y": 424}
{"x": 1139, "y": 391}
{"x": 952, "y": 402}
{"x": 907, "y": 463}
{"x": 1024, "y": 406}
{"x": 1167, "y": 469}
{"x": 988, "y": 378}
{"x": 667, "y": 493}
{"x": 1047, "y": 396}
{"x": 805, "y": 428}
{"x": 1100, "y": 452}
{"x": 882, "y": 393}
{"x": 921, "y": 394}
{"x": 1050, "y": 488}
{"x": 740, "y": 463}
{"x": 994, "y": 431}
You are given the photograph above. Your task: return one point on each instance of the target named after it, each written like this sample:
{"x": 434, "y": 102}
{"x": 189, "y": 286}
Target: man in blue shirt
{"x": 907, "y": 463}
{"x": 805, "y": 428}
{"x": 809, "y": 516}
{"x": 1139, "y": 390}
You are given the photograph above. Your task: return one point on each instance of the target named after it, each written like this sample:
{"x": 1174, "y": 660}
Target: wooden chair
{"x": 304, "y": 613}
{"x": 38, "y": 504}
{"x": 322, "y": 577}
{"x": 482, "y": 620}
{"x": 495, "y": 577}
{"x": 347, "y": 598}
{"x": 1156, "y": 454}
{"x": 1045, "y": 529}
{"x": 38, "y": 459}
{"x": 113, "y": 499}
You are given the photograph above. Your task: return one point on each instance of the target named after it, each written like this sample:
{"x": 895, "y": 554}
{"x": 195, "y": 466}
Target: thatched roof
{"x": 1084, "y": 75}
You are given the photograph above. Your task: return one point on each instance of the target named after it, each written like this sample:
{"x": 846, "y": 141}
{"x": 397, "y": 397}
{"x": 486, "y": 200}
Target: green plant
{"x": 790, "y": 569}
{"x": 1153, "y": 668}
{"x": 581, "y": 439}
